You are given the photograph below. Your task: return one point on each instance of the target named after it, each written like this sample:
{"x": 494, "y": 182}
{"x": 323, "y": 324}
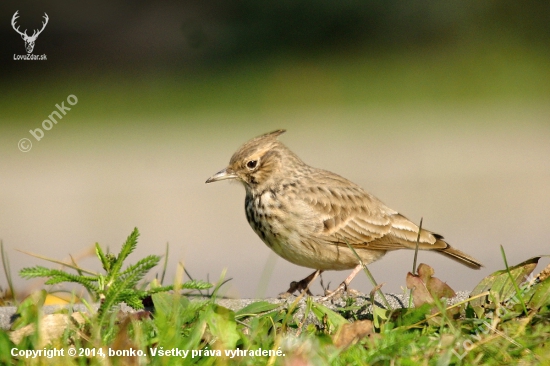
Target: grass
{"x": 505, "y": 321}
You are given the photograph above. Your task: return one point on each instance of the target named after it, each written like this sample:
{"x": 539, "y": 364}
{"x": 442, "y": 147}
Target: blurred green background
{"x": 441, "y": 109}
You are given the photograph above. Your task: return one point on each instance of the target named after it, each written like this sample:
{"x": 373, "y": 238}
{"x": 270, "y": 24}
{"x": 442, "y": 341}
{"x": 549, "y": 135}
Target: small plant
{"x": 506, "y": 320}
{"x": 116, "y": 285}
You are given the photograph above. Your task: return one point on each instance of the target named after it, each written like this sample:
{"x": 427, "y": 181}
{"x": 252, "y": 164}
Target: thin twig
{"x": 165, "y": 265}
{"x": 417, "y": 245}
{"x": 415, "y": 258}
{"x": 59, "y": 262}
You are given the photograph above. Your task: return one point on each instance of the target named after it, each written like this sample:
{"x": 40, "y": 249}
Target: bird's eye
{"x": 251, "y": 164}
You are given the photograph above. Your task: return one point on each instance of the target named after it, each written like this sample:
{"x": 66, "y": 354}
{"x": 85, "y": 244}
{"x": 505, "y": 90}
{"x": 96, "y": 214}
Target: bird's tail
{"x": 461, "y": 257}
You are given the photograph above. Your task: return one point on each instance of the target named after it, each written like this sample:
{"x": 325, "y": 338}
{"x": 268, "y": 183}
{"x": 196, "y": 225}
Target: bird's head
{"x": 257, "y": 162}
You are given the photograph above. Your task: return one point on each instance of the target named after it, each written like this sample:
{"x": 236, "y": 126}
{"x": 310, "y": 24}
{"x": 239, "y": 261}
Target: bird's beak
{"x": 221, "y": 175}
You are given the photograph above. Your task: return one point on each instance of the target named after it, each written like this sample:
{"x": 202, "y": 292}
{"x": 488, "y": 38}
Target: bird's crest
{"x": 257, "y": 146}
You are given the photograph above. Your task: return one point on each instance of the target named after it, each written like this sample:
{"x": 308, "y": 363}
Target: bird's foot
{"x": 300, "y": 286}
{"x": 339, "y": 292}
{"x": 335, "y": 294}
{"x": 296, "y": 286}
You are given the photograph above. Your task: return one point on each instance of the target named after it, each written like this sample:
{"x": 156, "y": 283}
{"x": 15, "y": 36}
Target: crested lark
{"x": 308, "y": 216}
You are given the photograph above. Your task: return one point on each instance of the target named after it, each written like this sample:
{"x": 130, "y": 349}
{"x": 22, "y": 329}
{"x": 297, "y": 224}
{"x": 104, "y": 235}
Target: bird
{"x": 311, "y": 217}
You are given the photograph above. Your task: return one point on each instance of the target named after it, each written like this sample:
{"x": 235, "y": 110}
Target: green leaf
{"x": 194, "y": 340}
{"x": 29, "y": 310}
{"x": 541, "y": 296}
{"x": 379, "y": 314}
{"x": 256, "y": 308}
{"x": 134, "y": 301}
{"x": 333, "y": 318}
{"x": 115, "y": 286}
{"x": 167, "y": 303}
{"x": 37, "y": 271}
{"x": 119, "y": 291}
{"x": 156, "y": 290}
{"x": 58, "y": 276}
{"x": 134, "y": 273}
{"x": 127, "y": 248}
{"x": 409, "y": 316}
{"x": 222, "y": 325}
{"x": 499, "y": 282}
{"x": 162, "y": 302}
{"x": 196, "y": 285}
{"x": 102, "y": 258}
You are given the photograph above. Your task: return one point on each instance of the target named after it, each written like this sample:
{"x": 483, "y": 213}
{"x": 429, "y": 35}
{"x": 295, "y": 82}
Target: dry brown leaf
{"x": 297, "y": 360}
{"x": 52, "y": 327}
{"x": 352, "y": 332}
{"x": 544, "y": 274}
{"x": 425, "y": 287}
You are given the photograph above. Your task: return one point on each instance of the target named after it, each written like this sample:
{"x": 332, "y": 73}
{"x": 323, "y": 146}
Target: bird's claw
{"x": 296, "y": 286}
{"x": 339, "y": 291}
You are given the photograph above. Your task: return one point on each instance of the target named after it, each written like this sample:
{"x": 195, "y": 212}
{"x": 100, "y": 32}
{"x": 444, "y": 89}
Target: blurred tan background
{"x": 440, "y": 110}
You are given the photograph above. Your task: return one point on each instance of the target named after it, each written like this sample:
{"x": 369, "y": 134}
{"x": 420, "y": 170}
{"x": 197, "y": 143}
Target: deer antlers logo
{"x": 29, "y": 40}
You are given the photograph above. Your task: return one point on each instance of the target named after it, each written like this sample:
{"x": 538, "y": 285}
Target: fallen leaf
{"x": 425, "y": 287}
{"x": 541, "y": 296}
{"x": 52, "y": 327}
{"x": 352, "y": 332}
{"x": 499, "y": 282}
{"x": 544, "y": 274}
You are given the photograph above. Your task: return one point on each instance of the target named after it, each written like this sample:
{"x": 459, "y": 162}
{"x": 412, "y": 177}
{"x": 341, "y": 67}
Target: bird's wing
{"x": 352, "y": 216}
{"x": 407, "y": 233}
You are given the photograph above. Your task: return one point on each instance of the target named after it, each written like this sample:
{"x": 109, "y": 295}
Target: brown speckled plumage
{"x": 309, "y": 215}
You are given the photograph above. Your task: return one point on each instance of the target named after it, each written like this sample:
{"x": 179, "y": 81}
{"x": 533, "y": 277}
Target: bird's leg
{"x": 302, "y": 285}
{"x": 344, "y": 285}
